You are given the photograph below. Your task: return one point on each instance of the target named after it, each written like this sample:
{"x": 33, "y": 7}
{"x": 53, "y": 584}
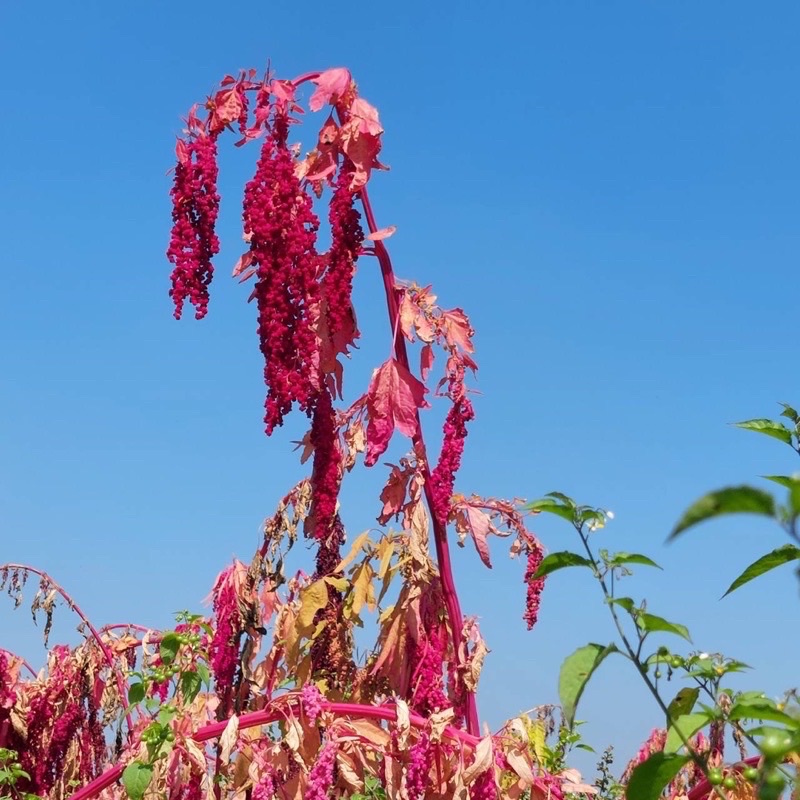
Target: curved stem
{"x": 122, "y": 684}
{"x": 265, "y": 717}
{"x": 21, "y": 660}
{"x": 439, "y": 530}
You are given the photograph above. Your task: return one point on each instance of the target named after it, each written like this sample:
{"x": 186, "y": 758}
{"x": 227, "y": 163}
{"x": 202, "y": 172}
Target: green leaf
{"x": 765, "y": 710}
{"x": 632, "y": 558}
{"x": 170, "y": 644}
{"x": 135, "y": 693}
{"x": 733, "y": 500}
{"x": 548, "y": 506}
{"x": 575, "y": 673}
{"x": 790, "y": 413}
{"x": 768, "y": 427}
{"x": 556, "y": 561}
{"x": 136, "y": 778}
{"x": 190, "y": 685}
{"x": 778, "y": 557}
{"x": 654, "y": 624}
{"x": 688, "y": 725}
{"x": 783, "y": 480}
{"x": 649, "y": 778}
{"x": 204, "y": 673}
{"x": 565, "y": 499}
{"x": 625, "y": 602}
{"x": 683, "y": 702}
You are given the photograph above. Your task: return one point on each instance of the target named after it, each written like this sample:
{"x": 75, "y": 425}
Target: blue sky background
{"x": 610, "y": 190}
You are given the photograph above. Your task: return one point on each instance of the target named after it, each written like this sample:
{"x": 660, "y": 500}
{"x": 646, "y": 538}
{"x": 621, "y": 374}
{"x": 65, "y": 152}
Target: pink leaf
{"x": 366, "y": 117}
{"x": 182, "y": 151}
{"x": 393, "y": 398}
{"x": 383, "y": 233}
{"x": 458, "y": 331}
{"x": 425, "y": 361}
{"x": 480, "y": 526}
{"x": 331, "y": 85}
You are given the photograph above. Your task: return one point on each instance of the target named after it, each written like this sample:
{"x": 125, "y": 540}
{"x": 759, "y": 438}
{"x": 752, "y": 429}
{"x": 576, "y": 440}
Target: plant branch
{"x": 439, "y": 529}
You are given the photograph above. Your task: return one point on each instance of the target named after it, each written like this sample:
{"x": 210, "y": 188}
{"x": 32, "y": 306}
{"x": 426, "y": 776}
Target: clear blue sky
{"x": 609, "y": 189}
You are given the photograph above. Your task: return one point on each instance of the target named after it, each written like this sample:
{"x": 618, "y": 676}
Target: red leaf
{"x": 228, "y": 106}
{"x": 331, "y": 85}
{"x": 393, "y": 397}
{"x": 457, "y": 330}
{"x": 182, "y": 151}
{"x": 425, "y": 361}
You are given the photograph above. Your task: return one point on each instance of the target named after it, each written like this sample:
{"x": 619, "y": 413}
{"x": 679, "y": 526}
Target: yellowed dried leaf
{"x": 228, "y": 739}
{"x": 520, "y": 765}
{"x": 354, "y": 550}
{"x": 438, "y": 722}
{"x": 313, "y": 598}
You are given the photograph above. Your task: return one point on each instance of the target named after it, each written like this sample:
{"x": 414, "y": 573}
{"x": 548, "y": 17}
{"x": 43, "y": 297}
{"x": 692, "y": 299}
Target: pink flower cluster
{"x": 281, "y": 225}
{"x": 193, "y": 241}
{"x": 312, "y": 701}
{"x": 535, "y": 586}
{"x": 321, "y": 776}
{"x": 347, "y": 237}
{"x": 485, "y": 787}
{"x": 420, "y": 761}
{"x": 224, "y": 647}
{"x": 444, "y": 474}
{"x": 265, "y": 788}
{"x": 8, "y": 695}
{"x": 325, "y": 475}
{"x": 429, "y": 653}
{"x": 59, "y": 712}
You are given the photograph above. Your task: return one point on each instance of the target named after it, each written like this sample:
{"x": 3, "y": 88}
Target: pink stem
{"x": 265, "y": 717}
{"x": 440, "y": 531}
{"x": 109, "y": 656}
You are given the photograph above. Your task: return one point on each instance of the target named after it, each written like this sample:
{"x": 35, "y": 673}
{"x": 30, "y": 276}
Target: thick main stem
{"x": 439, "y": 530}
{"x": 265, "y": 717}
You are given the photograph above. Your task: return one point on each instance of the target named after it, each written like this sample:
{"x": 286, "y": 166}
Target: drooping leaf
{"x": 136, "y": 778}
{"x": 575, "y": 673}
{"x": 683, "y": 702}
{"x": 393, "y": 399}
{"x": 732, "y": 500}
{"x": 331, "y": 86}
{"x": 768, "y": 427}
{"x": 633, "y": 558}
{"x": 655, "y": 624}
{"x": 778, "y": 557}
{"x": 649, "y": 778}
{"x": 170, "y": 644}
{"x": 190, "y": 685}
{"x": 686, "y": 725}
{"x": 560, "y": 560}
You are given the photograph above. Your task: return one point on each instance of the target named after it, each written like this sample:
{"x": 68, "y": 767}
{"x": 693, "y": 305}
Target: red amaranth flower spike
{"x": 195, "y": 204}
{"x": 535, "y": 586}
{"x": 347, "y": 238}
{"x": 281, "y": 226}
